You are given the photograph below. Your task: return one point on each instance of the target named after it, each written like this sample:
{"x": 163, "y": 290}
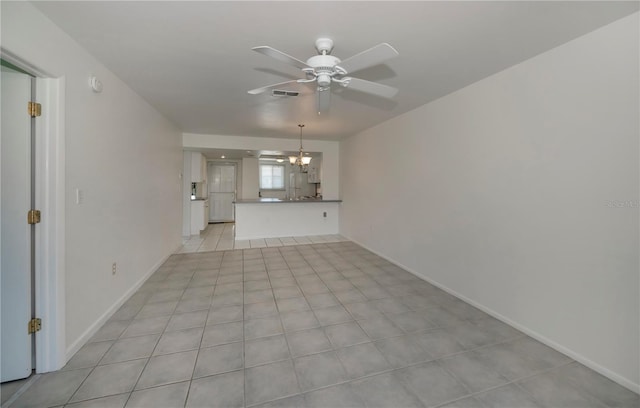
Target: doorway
{"x": 17, "y": 237}
{"x": 33, "y": 259}
{"x": 222, "y": 191}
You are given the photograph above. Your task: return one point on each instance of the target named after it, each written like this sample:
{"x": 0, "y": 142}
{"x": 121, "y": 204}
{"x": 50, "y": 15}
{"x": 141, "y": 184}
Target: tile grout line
{"x": 133, "y": 389}
{"x": 244, "y": 340}
{"x": 284, "y": 334}
{"x": 195, "y": 363}
{"x": 334, "y": 349}
{"x": 322, "y": 254}
{"x": 21, "y": 390}
{"x": 372, "y": 341}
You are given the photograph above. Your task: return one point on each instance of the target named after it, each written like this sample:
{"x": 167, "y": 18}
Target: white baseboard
{"x": 84, "y": 337}
{"x": 625, "y": 382}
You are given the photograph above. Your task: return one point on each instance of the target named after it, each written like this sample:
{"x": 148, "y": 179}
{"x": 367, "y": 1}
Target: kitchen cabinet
{"x": 199, "y": 216}
{"x": 198, "y": 168}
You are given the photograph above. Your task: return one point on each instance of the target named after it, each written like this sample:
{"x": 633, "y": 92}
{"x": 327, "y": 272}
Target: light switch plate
{"x": 79, "y": 196}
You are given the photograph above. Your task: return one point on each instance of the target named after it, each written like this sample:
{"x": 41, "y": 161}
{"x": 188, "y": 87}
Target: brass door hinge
{"x": 34, "y": 325}
{"x": 34, "y": 109}
{"x": 33, "y": 217}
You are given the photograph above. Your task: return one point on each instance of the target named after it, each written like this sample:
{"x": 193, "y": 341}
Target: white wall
{"x": 329, "y": 150}
{"x": 126, "y": 158}
{"x": 500, "y": 192}
{"x": 250, "y": 178}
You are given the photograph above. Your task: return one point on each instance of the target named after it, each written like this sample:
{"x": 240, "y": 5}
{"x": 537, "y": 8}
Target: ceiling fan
{"x": 325, "y": 70}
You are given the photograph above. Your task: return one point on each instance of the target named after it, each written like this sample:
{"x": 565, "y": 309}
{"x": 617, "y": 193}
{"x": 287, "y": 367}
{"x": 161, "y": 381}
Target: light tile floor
{"x": 10, "y": 388}
{"x": 320, "y": 325}
{"x": 220, "y": 237}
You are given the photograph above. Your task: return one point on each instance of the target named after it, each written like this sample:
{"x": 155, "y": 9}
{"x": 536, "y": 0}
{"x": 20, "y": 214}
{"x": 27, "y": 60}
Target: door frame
{"x": 50, "y": 200}
{"x": 235, "y": 186}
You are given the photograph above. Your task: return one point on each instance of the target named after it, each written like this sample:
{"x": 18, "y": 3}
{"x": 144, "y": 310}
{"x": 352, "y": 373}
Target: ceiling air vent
{"x": 278, "y": 92}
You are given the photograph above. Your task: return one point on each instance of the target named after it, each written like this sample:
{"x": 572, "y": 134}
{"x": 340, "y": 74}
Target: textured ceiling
{"x": 193, "y": 61}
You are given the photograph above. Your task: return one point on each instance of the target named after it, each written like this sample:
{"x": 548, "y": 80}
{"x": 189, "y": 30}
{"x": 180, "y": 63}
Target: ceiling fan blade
{"x": 324, "y": 98}
{"x": 372, "y": 56}
{"x": 371, "y": 87}
{"x": 269, "y": 87}
{"x": 280, "y": 56}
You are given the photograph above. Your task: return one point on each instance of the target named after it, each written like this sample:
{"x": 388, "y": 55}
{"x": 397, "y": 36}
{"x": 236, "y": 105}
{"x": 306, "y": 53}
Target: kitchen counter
{"x": 296, "y": 218}
{"x": 199, "y": 198}
{"x": 287, "y": 201}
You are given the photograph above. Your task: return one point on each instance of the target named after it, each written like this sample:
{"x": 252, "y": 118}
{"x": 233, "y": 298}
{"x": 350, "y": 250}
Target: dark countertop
{"x": 199, "y": 198}
{"x": 279, "y": 201}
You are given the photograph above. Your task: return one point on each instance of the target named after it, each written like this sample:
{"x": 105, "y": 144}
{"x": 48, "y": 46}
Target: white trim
{"x": 84, "y": 337}
{"x": 23, "y": 65}
{"x": 625, "y": 382}
{"x": 50, "y": 233}
{"x": 50, "y": 200}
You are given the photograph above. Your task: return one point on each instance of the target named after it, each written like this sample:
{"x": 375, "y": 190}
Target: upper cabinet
{"x": 314, "y": 170}
{"x": 198, "y": 168}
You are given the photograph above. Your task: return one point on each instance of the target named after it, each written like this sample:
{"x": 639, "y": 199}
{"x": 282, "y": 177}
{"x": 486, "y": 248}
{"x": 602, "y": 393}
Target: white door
{"x": 222, "y": 192}
{"x": 15, "y": 237}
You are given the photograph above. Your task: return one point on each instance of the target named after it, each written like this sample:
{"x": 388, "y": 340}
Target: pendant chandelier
{"x": 300, "y": 160}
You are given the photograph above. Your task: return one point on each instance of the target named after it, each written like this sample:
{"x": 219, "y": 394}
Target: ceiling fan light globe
{"x": 324, "y": 80}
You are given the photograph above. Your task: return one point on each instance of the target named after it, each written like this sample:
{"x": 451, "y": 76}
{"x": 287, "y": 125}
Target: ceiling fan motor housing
{"x": 323, "y": 62}
{"x": 324, "y": 68}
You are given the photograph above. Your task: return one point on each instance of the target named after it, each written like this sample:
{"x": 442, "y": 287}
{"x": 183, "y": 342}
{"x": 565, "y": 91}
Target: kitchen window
{"x": 271, "y": 177}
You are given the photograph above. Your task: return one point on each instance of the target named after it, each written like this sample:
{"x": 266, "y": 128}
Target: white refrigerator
{"x": 299, "y": 186}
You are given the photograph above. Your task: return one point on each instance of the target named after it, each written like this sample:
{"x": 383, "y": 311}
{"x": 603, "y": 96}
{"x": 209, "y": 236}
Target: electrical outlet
{"x": 114, "y": 268}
